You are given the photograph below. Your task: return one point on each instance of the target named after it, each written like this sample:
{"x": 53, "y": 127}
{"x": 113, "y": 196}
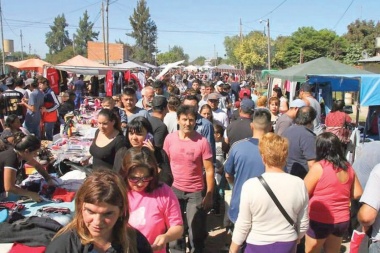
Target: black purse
{"x": 278, "y": 204}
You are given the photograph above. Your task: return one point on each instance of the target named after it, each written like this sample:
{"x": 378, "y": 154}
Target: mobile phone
{"x": 149, "y": 137}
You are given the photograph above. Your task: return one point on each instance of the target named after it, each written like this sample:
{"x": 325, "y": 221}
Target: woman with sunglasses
{"x": 155, "y": 210}
{"x": 100, "y": 222}
{"x": 139, "y": 134}
{"x": 12, "y": 163}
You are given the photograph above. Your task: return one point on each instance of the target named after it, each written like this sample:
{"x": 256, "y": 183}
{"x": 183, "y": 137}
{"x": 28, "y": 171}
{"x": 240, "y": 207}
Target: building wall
{"x": 117, "y": 52}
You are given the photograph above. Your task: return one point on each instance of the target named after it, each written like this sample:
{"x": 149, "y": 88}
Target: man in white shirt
{"x": 220, "y": 117}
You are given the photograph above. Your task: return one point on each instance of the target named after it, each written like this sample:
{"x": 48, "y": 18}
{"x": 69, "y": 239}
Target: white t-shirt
{"x": 260, "y": 222}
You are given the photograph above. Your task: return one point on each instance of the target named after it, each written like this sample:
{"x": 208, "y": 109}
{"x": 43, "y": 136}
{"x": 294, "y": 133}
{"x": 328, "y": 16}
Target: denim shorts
{"x": 319, "y": 230}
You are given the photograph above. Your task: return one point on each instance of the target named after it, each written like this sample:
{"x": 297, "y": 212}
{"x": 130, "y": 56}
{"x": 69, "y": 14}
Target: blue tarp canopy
{"x": 368, "y": 85}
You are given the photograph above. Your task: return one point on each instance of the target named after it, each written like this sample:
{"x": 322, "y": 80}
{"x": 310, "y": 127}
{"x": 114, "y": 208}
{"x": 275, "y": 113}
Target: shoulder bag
{"x": 278, "y": 204}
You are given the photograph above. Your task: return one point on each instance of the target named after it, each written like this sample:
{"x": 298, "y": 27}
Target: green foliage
{"x": 362, "y": 32}
{"x": 278, "y": 52}
{"x": 144, "y": 32}
{"x": 230, "y": 43}
{"x": 313, "y": 44}
{"x": 354, "y": 53}
{"x": 84, "y": 33}
{"x": 252, "y": 50}
{"x": 61, "y": 56}
{"x": 176, "y": 53}
{"x": 58, "y": 38}
{"x": 200, "y": 61}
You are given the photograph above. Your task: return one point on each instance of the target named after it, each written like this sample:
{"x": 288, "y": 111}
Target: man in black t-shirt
{"x": 10, "y": 101}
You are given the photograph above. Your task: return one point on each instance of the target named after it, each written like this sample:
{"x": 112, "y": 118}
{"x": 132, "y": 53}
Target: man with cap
{"x": 159, "y": 110}
{"x": 220, "y": 117}
{"x": 241, "y": 128}
{"x": 28, "y": 88}
{"x": 11, "y": 100}
{"x": 286, "y": 119}
{"x": 306, "y": 95}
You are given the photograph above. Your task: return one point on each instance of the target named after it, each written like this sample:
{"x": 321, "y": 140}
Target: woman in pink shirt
{"x": 331, "y": 183}
{"x": 154, "y": 208}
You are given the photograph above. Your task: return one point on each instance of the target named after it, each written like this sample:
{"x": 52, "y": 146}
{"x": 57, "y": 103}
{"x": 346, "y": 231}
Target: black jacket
{"x": 69, "y": 242}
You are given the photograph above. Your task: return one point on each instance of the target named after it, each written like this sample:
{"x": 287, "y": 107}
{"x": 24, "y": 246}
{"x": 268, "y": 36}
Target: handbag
{"x": 278, "y": 204}
{"x": 345, "y": 132}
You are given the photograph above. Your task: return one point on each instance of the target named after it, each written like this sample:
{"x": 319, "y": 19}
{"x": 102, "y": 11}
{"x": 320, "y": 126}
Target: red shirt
{"x": 330, "y": 202}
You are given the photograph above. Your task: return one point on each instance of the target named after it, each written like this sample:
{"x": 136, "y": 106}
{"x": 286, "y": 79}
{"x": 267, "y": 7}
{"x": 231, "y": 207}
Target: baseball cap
{"x": 213, "y": 96}
{"x": 29, "y": 81}
{"x": 159, "y": 101}
{"x": 297, "y": 103}
{"x": 247, "y": 105}
{"x": 244, "y": 92}
{"x": 9, "y": 81}
{"x": 218, "y": 83}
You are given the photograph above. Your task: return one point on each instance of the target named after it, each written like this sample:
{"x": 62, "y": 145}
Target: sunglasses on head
{"x": 136, "y": 180}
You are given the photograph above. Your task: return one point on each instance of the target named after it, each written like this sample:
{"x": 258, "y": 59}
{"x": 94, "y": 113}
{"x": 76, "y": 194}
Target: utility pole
{"x": 2, "y": 38}
{"x": 22, "y": 47}
{"x": 30, "y": 48}
{"x": 268, "y": 27}
{"x": 108, "y": 37}
{"x": 241, "y": 38}
{"x": 104, "y": 36}
{"x": 74, "y": 44}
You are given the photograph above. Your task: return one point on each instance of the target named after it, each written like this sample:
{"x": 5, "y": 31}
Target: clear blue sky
{"x": 199, "y": 27}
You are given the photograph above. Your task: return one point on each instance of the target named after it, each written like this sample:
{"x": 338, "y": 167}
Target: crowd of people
{"x": 162, "y": 163}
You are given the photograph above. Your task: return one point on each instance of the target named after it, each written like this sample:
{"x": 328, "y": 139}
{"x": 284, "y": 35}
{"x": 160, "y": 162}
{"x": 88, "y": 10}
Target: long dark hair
{"x": 330, "y": 148}
{"x": 110, "y": 115}
{"x": 136, "y": 157}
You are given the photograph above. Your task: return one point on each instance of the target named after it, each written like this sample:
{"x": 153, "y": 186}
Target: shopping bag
{"x": 356, "y": 240}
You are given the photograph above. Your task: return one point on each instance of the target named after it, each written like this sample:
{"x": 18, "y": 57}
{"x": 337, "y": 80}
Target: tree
{"x": 364, "y": 33}
{"x": 230, "y": 43}
{"x": 279, "y": 49}
{"x": 176, "y": 53}
{"x": 354, "y": 53}
{"x": 144, "y": 32}
{"x": 84, "y": 34}
{"x": 200, "y": 61}
{"x": 61, "y": 56}
{"x": 252, "y": 51}
{"x": 307, "y": 44}
{"x": 58, "y": 38}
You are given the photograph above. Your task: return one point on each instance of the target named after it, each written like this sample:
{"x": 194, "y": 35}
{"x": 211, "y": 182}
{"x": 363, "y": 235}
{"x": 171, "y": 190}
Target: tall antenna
{"x": 22, "y": 47}
{"x": 2, "y": 38}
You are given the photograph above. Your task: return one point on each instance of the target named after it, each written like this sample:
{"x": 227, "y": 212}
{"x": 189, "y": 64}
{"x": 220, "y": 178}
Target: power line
{"x": 352, "y": 1}
{"x": 20, "y": 24}
{"x": 270, "y": 12}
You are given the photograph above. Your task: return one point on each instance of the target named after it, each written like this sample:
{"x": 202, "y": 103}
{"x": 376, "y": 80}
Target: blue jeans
{"x": 49, "y": 129}
{"x": 195, "y": 219}
{"x": 78, "y": 99}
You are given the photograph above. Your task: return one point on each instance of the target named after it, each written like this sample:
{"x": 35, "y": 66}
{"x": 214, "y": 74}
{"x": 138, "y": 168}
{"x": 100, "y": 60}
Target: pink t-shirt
{"x": 330, "y": 202}
{"x": 151, "y": 213}
{"x": 186, "y": 160}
